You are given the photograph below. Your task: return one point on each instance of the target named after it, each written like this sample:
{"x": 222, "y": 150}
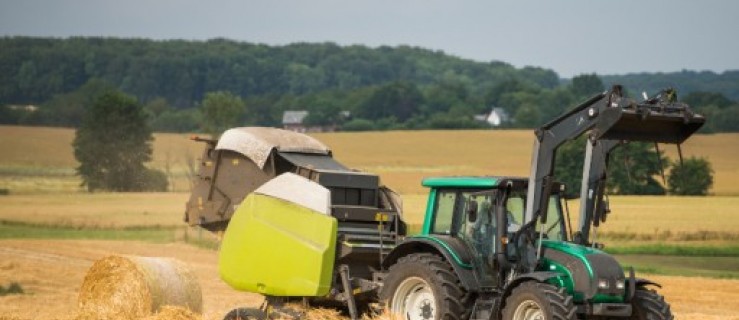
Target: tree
{"x": 586, "y": 85}
{"x": 568, "y": 169}
{"x": 694, "y": 177}
{"x": 220, "y": 111}
{"x": 631, "y": 168}
{"x": 112, "y": 144}
{"x": 401, "y": 100}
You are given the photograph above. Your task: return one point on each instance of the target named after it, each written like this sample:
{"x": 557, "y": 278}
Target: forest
{"x": 50, "y": 81}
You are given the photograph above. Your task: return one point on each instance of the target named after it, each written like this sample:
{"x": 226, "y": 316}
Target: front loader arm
{"x": 552, "y": 135}
{"x": 593, "y": 186}
{"x": 609, "y": 117}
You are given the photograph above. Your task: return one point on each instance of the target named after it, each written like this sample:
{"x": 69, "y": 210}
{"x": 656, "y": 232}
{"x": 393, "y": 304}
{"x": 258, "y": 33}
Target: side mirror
{"x": 471, "y": 211}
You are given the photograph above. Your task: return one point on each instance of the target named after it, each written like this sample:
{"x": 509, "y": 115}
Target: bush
{"x": 154, "y": 180}
{"x": 358, "y": 125}
{"x": 693, "y": 178}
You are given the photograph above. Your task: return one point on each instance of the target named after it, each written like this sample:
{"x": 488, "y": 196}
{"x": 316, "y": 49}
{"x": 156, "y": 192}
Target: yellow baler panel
{"x": 275, "y": 247}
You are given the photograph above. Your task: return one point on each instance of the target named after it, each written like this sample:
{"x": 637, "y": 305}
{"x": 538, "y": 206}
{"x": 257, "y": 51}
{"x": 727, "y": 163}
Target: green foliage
{"x": 701, "y": 99}
{"x": 112, "y": 144}
{"x": 451, "y": 121}
{"x": 68, "y": 109}
{"x": 694, "y": 177}
{"x": 220, "y": 111}
{"x": 684, "y": 81}
{"x": 13, "y": 288}
{"x": 416, "y": 87}
{"x": 632, "y": 168}
{"x": 586, "y": 85}
{"x": 568, "y": 168}
{"x": 358, "y": 125}
{"x": 401, "y": 100}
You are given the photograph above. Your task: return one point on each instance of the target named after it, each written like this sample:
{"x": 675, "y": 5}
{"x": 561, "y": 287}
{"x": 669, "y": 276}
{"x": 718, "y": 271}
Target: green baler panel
{"x": 278, "y": 248}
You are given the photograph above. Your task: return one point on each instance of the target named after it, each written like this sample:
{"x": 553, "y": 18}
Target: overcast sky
{"x": 569, "y": 36}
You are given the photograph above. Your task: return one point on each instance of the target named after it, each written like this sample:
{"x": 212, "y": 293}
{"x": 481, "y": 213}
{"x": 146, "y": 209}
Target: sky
{"x": 569, "y": 36}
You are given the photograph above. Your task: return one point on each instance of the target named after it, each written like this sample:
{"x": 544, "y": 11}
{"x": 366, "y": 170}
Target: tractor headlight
{"x": 620, "y": 285}
{"x": 603, "y": 284}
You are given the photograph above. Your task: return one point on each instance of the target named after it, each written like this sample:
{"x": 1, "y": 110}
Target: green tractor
{"x": 472, "y": 260}
{"x": 504, "y": 248}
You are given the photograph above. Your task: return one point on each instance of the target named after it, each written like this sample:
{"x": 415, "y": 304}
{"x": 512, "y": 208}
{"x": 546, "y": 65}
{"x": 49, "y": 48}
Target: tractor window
{"x": 445, "y": 202}
{"x": 478, "y": 226}
{"x": 516, "y": 206}
{"x": 553, "y": 227}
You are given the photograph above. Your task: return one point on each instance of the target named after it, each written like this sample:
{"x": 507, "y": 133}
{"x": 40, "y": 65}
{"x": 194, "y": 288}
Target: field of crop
{"x": 670, "y": 236}
{"x": 41, "y": 160}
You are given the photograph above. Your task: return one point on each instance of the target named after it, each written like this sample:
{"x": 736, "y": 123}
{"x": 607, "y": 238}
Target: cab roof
{"x": 469, "y": 181}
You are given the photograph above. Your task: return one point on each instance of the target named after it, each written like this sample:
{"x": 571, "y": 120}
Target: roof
{"x": 467, "y": 182}
{"x": 257, "y": 143}
{"x": 294, "y": 117}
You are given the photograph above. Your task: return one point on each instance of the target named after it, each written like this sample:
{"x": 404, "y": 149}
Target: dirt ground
{"x": 51, "y": 272}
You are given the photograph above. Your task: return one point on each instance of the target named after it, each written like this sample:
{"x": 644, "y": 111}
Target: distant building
{"x": 27, "y": 108}
{"x": 293, "y": 120}
{"x": 495, "y": 118}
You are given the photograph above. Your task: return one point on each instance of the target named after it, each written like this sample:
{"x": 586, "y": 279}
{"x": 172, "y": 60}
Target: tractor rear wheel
{"x": 539, "y": 301}
{"x": 423, "y": 286}
{"x": 649, "y": 305}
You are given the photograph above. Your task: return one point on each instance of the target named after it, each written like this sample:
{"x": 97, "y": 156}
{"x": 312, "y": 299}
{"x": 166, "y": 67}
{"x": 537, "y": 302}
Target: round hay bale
{"x": 130, "y": 287}
{"x": 173, "y": 313}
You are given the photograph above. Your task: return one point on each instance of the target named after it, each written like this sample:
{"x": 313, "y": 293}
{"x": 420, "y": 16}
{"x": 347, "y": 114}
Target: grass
{"x": 96, "y": 210}
{"x": 19, "y": 230}
{"x": 713, "y": 267}
{"x": 662, "y": 249}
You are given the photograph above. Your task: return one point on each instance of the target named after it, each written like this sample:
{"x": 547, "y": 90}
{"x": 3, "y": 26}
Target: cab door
{"x": 477, "y": 230}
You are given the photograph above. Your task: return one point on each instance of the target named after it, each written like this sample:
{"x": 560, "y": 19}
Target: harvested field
{"x": 51, "y": 272}
{"x": 402, "y": 158}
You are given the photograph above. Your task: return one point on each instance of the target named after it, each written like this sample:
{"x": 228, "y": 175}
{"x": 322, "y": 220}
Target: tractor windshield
{"x": 554, "y": 228}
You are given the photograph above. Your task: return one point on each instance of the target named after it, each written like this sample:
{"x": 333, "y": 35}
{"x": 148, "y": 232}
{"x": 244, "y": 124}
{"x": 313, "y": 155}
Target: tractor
{"x": 492, "y": 247}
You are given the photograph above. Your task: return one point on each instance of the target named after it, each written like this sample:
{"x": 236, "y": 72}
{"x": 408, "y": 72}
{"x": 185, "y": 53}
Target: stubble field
{"x": 51, "y": 230}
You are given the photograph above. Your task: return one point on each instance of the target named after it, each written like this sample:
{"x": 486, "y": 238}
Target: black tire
{"x": 245, "y": 314}
{"x": 419, "y": 278}
{"x": 649, "y": 305}
{"x": 535, "y": 298}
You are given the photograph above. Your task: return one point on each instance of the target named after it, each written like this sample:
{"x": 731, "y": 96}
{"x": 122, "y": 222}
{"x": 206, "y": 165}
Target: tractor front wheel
{"x": 423, "y": 286}
{"x": 649, "y": 305}
{"x": 539, "y": 301}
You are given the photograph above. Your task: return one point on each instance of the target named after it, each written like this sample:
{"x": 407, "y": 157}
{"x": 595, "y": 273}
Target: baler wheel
{"x": 246, "y": 314}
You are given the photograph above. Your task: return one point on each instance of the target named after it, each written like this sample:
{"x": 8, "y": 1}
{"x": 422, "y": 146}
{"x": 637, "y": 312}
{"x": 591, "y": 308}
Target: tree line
{"x": 179, "y": 82}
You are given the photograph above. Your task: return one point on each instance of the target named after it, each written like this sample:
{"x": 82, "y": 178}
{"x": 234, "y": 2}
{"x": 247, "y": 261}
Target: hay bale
{"x": 174, "y": 313}
{"x": 132, "y": 287}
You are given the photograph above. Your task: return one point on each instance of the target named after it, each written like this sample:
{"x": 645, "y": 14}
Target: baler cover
{"x": 281, "y": 241}
{"x": 257, "y": 143}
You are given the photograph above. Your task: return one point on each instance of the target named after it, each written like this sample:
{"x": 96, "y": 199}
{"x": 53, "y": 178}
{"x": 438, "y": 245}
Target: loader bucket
{"x": 648, "y": 124}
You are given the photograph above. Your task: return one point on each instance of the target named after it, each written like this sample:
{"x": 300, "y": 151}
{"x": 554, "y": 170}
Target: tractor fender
{"x": 454, "y": 254}
{"x": 538, "y": 276}
{"x": 641, "y": 282}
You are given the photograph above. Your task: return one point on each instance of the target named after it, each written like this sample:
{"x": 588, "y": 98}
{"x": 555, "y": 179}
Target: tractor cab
{"x": 469, "y": 211}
